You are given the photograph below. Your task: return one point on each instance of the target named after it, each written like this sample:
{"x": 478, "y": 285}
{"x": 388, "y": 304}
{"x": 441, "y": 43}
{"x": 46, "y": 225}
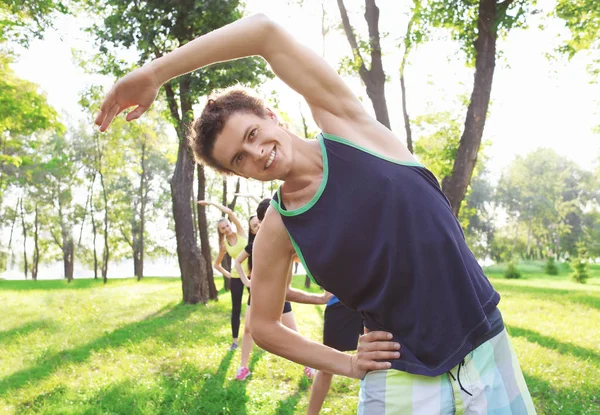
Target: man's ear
{"x": 271, "y": 114}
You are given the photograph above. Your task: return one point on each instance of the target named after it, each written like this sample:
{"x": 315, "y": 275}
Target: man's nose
{"x": 258, "y": 151}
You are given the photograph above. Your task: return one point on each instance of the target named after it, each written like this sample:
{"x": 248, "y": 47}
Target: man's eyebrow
{"x": 243, "y": 139}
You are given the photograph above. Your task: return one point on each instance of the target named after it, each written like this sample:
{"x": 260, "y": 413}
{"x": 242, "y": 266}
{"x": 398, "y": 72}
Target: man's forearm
{"x": 299, "y": 296}
{"x": 242, "y": 38}
{"x": 282, "y": 341}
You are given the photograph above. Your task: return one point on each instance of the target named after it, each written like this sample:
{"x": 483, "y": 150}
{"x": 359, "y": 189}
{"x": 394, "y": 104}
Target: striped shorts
{"x": 490, "y": 381}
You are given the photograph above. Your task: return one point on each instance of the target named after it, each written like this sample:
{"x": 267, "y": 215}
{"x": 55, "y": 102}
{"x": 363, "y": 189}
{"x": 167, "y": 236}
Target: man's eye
{"x": 252, "y": 134}
{"x": 239, "y": 158}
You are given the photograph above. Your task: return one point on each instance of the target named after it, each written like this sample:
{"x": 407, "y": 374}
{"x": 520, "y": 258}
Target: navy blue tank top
{"x": 381, "y": 236}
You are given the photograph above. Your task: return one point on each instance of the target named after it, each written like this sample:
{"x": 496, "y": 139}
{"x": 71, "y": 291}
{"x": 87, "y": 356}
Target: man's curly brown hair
{"x": 211, "y": 122}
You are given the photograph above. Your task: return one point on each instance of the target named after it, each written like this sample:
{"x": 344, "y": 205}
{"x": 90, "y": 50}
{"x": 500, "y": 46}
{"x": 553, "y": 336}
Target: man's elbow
{"x": 261, "y": 333}
{"x": 271, "y": 33}
{"x": 264, "y": 20}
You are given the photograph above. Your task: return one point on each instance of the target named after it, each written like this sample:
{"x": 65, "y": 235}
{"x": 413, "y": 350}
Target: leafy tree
{"x": 144, "y": 172}
{"x": 154, "y": 30}
{"x": 60, "y": 179}
{"x": 548, "y": 193}
{"x": 582, "y": 18}
{"x": 23, "y": 112}
{"x": 580, "y": 265}
{"x": 415, "y": 34}
{"x": 476, "y": 25}
{"x": 21, "y": 20}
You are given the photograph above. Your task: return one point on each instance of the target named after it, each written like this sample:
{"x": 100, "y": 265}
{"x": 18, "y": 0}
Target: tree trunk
{"x": 515, "y": 239}
{"x": 234, "y": 200}
{"x": 137, "y": 271}
{"x": 409, "y": 141}
{"x": 25, "y": 263}
{"x": 203, "y": 232}
{"x": 407, "y": 48}
{"x": 226, "y": 262}
{"x": 87, "y": 203}
{"x": 455, "y": 185}
{"x": 138, "y": 255}
{"x": 95, "y": 233}
{"x": 106, "y": 252}
{"x": 307, "y": 282}
{"x": 529, "y": 238}
{"x": 36, "y": 245}
{"x": 66, "y": 244}
{"x": 191, "y": 261}
{"x": 374, "y": 78}
{"x": 68, "y": 256}
{"x": 14, "y": 221}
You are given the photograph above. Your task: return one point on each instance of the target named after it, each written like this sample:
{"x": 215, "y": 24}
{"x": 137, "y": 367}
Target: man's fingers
{"x": 373, "y": 365}
{"x": 110, "y": 115}
{"x": 107, "y": 104}
{"x": 379, "y": 355}
{"x": 136, "y": 113}
{"x": 99, "y": 118}
{"x": 380, "y": 345}
{"x": 376, "y": 335}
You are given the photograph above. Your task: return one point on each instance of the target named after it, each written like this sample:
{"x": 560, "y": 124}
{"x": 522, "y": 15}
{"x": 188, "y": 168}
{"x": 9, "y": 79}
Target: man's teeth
{"x": 271, "y": 158}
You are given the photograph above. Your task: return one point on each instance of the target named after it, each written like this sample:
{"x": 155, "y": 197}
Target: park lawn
{"x": 132, "y": 348}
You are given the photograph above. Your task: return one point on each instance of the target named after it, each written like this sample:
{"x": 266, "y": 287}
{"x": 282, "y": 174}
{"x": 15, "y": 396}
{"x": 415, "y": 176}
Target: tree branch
{"x": 172, "y": 102}
{"x": 352, "y": 38}
{"x": 372, "y": 18}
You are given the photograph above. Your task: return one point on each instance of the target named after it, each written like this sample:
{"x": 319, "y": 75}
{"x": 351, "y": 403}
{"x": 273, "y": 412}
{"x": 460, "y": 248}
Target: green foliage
{"x": 580, "y": 265}
{"x": 437, "y": 138}
{"x": 23, "y": 109}
{"x": 160, "y": 27}
{"x": 582, "y": 18}
{"x": 24, "y": 112}
{"x": 460, "y": 18}
{"x": 20, "y": 20}
{"x": 550, "y": 267}
{"x": 547, "y": 193}
{"x": 512, "y": 271}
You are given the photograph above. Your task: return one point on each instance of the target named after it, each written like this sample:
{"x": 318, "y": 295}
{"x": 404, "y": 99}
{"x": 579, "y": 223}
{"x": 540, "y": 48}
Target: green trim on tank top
{"x": 366, "y": 150}
{"x": 315, "y": 198}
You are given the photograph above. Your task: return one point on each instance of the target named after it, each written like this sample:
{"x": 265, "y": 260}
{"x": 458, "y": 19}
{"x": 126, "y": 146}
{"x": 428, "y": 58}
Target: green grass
{"x": 133, "y": 348}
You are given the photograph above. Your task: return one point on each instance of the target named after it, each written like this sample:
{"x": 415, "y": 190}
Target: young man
{"x": 369, "y": 223}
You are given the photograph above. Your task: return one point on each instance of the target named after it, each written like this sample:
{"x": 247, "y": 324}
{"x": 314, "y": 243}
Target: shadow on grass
{"x": 9, "y": 336}
{"x": 183, "y": 389}
{"x": 551, "y": 343}
{"x": 559, "y": 295}
{"x": 288, "y": 405}
{"x": 549, "y": 400}
{"x": 129, "y": 334}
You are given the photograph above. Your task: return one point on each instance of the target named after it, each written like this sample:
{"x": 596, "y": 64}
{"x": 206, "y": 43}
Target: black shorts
{"x": 287, "y": 307}
{"x": 342, "y": 327}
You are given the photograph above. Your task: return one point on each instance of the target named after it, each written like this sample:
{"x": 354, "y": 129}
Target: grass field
{"x": 133, "y": 348}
